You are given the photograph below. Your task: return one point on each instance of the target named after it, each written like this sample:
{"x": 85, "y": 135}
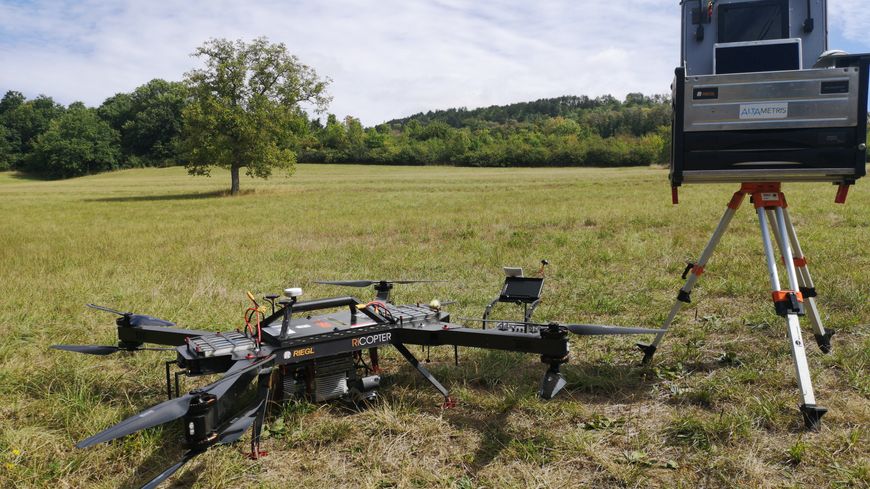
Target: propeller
{"x": 229, "y": 434}
{"x": 579, "y": 329}
{"x": 366, "y": 283}
{"x": 170, "y": 410}
{"x": 103, "y": 350}
{"x": 135, "y": 320}
{"x": 153, "y": 483}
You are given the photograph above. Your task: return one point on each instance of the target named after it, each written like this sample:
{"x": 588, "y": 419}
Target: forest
{"x": 145, "y": 128}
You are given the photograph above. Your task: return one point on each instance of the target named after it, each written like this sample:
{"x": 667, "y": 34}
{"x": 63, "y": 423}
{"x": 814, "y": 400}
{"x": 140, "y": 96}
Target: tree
{"x": 24, "y": 122}
{"x": 5, "y": 150}
{"x": 156, "y": 125}
{"x": 246, "y": 108}
{"x": 76, "y": 143}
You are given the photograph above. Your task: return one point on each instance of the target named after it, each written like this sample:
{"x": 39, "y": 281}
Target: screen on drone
{"x": 518, "y": 288}
{"x": 753, "y": 21}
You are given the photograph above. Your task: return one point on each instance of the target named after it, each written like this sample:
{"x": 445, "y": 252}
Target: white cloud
{"x": 852, "y": 18}
{"x": 387, "y": 58}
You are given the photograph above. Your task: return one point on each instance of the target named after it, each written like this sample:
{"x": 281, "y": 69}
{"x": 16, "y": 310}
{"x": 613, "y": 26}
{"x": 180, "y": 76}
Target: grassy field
{"x": 718, "y": 408}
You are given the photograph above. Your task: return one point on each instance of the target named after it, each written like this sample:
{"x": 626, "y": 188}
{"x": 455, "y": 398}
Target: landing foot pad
{"x": 257, "y": 454}
{"x": 812, "y": 415}
{"x": 552, "y": 383}
{"x": 824, "y": 340}
{"x": 648, "y": 352}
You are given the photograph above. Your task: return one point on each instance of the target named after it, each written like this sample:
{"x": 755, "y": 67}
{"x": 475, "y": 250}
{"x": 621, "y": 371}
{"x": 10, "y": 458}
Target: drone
{"x": 313, "y": 350}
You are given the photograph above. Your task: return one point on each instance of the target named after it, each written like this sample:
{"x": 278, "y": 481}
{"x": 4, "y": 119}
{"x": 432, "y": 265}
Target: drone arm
{"x": 157, "y": 335}
{"x": 491, "y": 339}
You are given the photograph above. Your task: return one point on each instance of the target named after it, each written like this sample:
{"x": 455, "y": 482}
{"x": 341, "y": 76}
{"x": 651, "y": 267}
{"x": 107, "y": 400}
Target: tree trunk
{"x": 234, "y": 172}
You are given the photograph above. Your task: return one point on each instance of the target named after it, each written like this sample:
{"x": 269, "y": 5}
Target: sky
{"x": 386, "y": 58}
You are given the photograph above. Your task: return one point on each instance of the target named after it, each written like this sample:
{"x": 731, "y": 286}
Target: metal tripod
{"x": 792, "y": 303}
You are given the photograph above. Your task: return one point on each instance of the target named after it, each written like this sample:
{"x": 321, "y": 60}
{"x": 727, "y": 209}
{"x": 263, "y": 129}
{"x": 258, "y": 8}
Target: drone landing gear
{"x": 799, "y": 300}
{"x": 648, "y": 352}
{"x": 553, "y": 380}
{"x": 552, "y": 383}
{"x": 448, "y": 402}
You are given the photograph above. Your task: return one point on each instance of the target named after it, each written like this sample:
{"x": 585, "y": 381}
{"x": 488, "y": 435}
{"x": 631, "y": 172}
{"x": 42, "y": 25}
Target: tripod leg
{"x": 807, "y": 288}
{"x": 789, "y": 305}
{"x": 694, "y": 271}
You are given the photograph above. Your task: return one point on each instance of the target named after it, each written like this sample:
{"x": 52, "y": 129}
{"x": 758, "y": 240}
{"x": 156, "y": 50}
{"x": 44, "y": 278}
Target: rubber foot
{"x": 648, "y": 352}
{"x": 449, "y": 403}
{"x": 254, "y": 455}
{"x": 824, "y": 340}
{"x": 551, "y": 384}
{"x": 812, "y": 415}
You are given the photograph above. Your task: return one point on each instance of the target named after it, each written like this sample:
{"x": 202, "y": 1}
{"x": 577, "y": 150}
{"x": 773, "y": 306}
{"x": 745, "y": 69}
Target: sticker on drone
{"x": 773, "y": 110}
{"x": 303, "y": 352}
{"x": 375, "y": 339}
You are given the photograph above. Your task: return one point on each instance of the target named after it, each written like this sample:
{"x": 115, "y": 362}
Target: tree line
{"x": 564, "y": 131}
{"x": 255, "y": 106}
{"x": 44, "y": 138}
{"x": 146, "y": 127}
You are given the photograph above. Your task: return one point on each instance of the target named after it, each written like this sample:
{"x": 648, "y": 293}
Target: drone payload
{"x": 759, "y": 97}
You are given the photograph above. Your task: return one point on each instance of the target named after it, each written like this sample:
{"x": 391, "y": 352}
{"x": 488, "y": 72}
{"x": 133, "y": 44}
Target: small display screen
{"x": 518, "y": 288}
{"x": 780, "y": 56}
{"x": 753, "y": 21}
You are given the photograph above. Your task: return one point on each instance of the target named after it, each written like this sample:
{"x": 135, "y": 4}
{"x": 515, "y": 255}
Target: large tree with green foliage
{"x": 76, "y": 143}
{"x": 246, "y": 108}
{"x": 24, "y": 120}
{"x": 149, "y": 121}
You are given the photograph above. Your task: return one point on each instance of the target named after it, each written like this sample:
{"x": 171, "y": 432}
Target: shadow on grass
{"x": 30, "y": 177}
{"x": 159, "y": 461}
{"x": 494, "y": 436}
{"x": 165, "y": 197}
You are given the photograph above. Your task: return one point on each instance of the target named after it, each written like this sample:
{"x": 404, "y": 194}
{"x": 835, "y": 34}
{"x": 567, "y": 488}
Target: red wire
{"x": 252, "y": 312}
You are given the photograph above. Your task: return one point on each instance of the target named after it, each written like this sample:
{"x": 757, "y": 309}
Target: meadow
{"x": 717, "y": 408}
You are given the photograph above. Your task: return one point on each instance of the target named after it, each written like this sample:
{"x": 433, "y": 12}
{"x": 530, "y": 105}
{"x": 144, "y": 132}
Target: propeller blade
{"x": 103, "y": 350}
{"x": 239, "y": 425}
{"x": 164, "y": 412}
{"x": 414, "y": 281}
{"x": 347, "y": 283}
{"x": 167, "y": 410}
{"x": 153, "y": 483}
{"x": 366, "y": 283}
{"x": 135, "y": 319}
{"x": 146, "y": 320}
{"x": 88, "y": 349}
{"x": 107, "y": 309}
{"x": 595, "y": 329}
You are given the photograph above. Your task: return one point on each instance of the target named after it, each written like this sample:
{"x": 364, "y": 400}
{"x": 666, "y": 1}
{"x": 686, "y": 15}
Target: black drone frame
{"x": 221, "y": 412}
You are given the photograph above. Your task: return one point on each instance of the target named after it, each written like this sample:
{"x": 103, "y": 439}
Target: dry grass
{"x": 160, "y": 242}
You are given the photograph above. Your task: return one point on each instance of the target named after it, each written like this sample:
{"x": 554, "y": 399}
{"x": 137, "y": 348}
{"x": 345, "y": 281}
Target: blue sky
{"x": 387, "y": 58}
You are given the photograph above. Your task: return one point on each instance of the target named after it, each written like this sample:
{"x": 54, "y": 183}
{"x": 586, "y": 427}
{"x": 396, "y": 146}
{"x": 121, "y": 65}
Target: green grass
{"x": 717, "y": 409}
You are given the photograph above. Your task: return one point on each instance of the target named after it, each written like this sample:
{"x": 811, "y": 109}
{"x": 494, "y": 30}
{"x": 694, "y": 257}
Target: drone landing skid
{"x": 551, "y": 384}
